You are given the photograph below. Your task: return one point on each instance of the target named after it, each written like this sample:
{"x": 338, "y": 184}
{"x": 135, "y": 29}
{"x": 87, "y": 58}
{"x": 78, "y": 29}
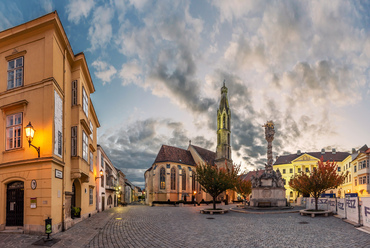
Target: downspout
{"x": 64, "y": 132}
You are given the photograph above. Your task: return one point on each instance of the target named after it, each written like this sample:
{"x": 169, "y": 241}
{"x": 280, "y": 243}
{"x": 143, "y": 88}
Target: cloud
{"x": 100, "y": 31}
{"x": 77, "y": 9}
{"x": 104, "y": 71}
{"x": 47, "y": 5}
{"x": 131, "y": 73}
{"x": 10, "y": 15}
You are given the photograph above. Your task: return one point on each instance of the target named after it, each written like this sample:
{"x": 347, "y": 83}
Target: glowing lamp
{"x": 30, "y": 133}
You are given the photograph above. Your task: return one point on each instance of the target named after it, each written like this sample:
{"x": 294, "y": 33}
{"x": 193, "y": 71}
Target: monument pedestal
{"x": 268, "y": 197}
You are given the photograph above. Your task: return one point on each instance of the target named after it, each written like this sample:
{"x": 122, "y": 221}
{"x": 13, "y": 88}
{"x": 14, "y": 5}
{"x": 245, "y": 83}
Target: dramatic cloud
{"x": 100, "y": 31}
{"x": 104, "y": 71}
{"x": 76, "y": 9}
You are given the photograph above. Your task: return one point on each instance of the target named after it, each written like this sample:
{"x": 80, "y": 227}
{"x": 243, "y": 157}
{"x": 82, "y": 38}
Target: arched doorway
{"x": 76, "y": 191}
{"x": 15, "y": 204}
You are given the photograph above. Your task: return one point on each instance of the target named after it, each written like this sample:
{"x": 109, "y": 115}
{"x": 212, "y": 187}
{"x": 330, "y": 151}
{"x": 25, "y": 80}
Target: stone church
{"x": 171, "y": 176}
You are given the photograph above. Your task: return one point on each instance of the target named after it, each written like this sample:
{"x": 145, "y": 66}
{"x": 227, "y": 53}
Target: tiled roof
{"x": 338, "y": 156}
{"x": 207, "y": 155}
{"x": 249, "y": 175}
{"x": 174, "y": 154}
{"x": 368, "y": 150}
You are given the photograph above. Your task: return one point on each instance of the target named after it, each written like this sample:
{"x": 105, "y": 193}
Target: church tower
{"x": 223, "y": 150}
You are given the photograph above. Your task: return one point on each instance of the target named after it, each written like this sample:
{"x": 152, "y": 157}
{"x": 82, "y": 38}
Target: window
{"x": 91, "y": 196}
{"x": 338, "y": 169}
{"x": 284, "y": 171}
{"x": 15, "y": 73}
{"x": 92, "y": 130}
{"x": 349, "y": 176}
{"x": 183, "y": 180}
{"x": 228, "y": 122}
{"x": 102, "y": 180}
{"x": 219, "y": 138}
{"x": 224, "y": 122}
{"x": 14, "y": 131}
{"x": 228, "y": 139}
{"x": 307, "y": 170}
{"x": 85, "y": 102}
{"x": 74, "y": 141}
{"x": 299, "y": 170}
{"x": 162, "y": 178}
{"x": 290, "y": 170}
{"x": 102, "y": 161}
{"x": 74, "y": 93}
{"x": 291, "y": 194}
{"x": 173, "y": 178}
{"x": 84, "y": 145}
{"x": 193, "y": 183}
{"x": 91, "y": 161}
{"x": 355, "y": 181}
{"x": 354, "y": 168}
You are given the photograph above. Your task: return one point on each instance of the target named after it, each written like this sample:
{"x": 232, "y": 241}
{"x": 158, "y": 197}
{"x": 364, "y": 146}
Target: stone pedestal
{"x": 268, "y": 197}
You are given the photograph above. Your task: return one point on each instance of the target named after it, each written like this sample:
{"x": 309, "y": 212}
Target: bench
{"x": 211, "y": 211}
{"x": 313, "y": 214}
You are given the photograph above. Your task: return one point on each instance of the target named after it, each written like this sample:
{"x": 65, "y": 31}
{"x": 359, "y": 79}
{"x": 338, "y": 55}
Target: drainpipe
{"x": 64, "y": 138}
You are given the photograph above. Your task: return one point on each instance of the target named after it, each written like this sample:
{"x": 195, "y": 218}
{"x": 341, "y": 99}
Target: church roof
{"x": 338, "y": 156}
{"x": 174, "y": 154}
{"x": 248, "y": 176}
{"x": 207, "y": 155}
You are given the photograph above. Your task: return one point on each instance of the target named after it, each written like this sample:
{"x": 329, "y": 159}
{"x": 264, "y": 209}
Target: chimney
{"x": 323, "y": 151}
{"x": 353, "y": 150}
{"x": 333, "y": 151}
{"x": 298, "y": 152}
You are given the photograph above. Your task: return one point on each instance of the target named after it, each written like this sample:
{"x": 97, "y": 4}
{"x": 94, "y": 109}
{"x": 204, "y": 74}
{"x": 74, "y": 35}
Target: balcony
{"x": 80, "y": 169}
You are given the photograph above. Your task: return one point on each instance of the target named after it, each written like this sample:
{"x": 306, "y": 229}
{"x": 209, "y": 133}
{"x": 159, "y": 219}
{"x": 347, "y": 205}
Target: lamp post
{"x": 30, "y": 132}
{"x": 101, "y": 174}
{"x": 194, "y": 197}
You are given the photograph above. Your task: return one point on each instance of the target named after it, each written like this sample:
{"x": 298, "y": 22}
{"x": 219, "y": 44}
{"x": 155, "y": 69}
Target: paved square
{"x": 143, "y": 226}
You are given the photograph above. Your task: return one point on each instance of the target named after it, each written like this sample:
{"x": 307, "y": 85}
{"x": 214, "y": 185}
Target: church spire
{"x": 223, "y": 150}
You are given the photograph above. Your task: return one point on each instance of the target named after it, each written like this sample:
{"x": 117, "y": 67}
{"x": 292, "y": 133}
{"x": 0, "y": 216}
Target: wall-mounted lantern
{"x": 30, "y": 132}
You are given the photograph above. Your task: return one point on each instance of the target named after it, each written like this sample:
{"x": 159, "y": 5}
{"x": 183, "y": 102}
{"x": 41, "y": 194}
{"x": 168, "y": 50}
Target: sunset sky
{"x": 158, "y": 67}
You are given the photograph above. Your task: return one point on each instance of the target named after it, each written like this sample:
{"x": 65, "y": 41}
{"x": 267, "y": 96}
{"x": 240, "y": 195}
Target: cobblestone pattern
{"x": 142, "y": 226}
{"x": 185, "y": 227}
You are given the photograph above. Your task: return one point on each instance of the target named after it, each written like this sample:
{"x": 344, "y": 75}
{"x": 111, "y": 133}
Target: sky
{"x": 158, "y": 66}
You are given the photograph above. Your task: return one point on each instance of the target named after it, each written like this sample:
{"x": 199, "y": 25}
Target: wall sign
{"x": 58, "y": 174}
{"x": 33, "y": 184}
{"x": 33, "y": 202}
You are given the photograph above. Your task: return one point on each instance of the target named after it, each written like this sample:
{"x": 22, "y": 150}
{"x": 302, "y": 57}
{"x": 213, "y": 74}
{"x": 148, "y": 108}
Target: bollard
{"x": 48, "y": 228}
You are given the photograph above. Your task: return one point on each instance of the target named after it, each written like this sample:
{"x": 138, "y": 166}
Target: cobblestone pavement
{"x": 142, "y": 226}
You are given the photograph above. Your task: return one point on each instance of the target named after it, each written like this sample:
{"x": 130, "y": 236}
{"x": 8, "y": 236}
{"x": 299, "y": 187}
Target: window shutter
{"x": 74, "y": 93}
{"x": 74, "y": 141}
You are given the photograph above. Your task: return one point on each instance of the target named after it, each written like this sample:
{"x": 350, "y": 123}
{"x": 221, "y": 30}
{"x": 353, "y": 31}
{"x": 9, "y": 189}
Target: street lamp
{"x": 30, "y": 132}
{"x": 101, "y": 174}
{"x": 194, "y": 197}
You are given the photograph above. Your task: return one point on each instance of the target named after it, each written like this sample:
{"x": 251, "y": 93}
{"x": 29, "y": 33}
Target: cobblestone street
{"x": 142, "y": 226}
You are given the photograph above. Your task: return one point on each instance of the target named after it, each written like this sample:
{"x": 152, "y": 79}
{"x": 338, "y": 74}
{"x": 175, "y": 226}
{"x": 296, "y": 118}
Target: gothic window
{"x": 228, "y": 139}
{"x": 219, "y": 122}
{"x": 224, "y": 120}
{"x": 228, "y": 122}
{"x": 218, "y": 139}
{"x": 193, "y": 183}
{"x": 183, "y": 180}
{"x": 162, "y": 178}
{"x": 173, "y": 178}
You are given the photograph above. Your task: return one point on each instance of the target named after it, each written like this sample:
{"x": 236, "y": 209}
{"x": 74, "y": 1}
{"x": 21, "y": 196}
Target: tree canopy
{"x": 243, "y": 187}
{"x": 216, "y": 180}
{"x": 320, "y": 179}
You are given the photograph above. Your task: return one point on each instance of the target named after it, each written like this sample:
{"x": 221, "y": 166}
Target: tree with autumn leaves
{"x": 322, "y": 178}
{"x": 243, "y": 187}
{"x": 216, "y": 180}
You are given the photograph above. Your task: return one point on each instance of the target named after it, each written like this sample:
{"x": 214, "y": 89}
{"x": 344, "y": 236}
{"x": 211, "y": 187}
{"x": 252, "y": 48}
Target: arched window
{"x": 162, "y": 178}
{"x": 183, "y": 180}
{"x": 193, "y": 183}
{"x": 218, "y": 138}
{"x": 173, "y": 178}
{"x": 228, "y": 139}
{"x": 224, "y": 120}
{"x": 228, "y": 122}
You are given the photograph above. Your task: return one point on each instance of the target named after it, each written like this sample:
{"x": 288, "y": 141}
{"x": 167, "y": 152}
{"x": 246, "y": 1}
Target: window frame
{"x": 14, "y": 70}
{"x": 85, "y": 146}
{"x": 173, "y": 178}
{"x": 15, "y": 127}
{"x": 91, "y": 196}
{"x": 74, "y": 92}
{"x": 85, "y": 102}
{"x": 183, "y": 179}
{"x": 91, "y": 161}
{"x": 162, "y": 178}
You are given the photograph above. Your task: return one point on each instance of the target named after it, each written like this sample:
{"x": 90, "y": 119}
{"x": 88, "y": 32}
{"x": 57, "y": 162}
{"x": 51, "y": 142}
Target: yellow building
{"x": 43, "y": 83}
{"x": 292, "y": 164}
{"x": 360, "y": 172}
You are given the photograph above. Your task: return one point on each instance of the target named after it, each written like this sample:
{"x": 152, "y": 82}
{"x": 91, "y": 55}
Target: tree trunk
{"x": 214, "y": 203}
{"x": 316, "y": 200}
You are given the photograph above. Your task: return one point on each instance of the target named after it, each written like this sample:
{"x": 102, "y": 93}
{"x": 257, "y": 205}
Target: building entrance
{"x": 15, "y": 204}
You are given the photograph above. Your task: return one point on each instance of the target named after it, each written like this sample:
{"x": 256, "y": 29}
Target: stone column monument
{"x": 268, "y": 188}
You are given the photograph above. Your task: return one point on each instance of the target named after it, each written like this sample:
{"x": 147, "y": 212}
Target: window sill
{"x": 13, "y": 150}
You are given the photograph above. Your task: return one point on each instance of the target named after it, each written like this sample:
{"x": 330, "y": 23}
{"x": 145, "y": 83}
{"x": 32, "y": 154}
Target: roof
{"x": 207, "y": 155}
{"x": 338, "y": 156}
{"x": 248, "y": 176}
{"x": 174, "y": 154}
{"x": 368, "y": 150}
{"x": 363, "y": 149}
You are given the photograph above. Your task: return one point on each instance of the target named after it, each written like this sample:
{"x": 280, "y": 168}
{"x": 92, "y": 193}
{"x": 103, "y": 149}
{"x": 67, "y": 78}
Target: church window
{"x": 228, "y": 139}
{"x": 219, "y": 122}
{"x": 224, "y": 124}
{"x": 228, "y": 122}
{"x": 218, "y": 138}
{"x": 183, "y": 180}
{"x": 173, "y": 178}
{"x": 162, "y": 178}
{"x": 193, "y": 184}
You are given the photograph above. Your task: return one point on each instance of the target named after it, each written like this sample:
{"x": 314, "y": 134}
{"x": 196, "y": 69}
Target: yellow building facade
{"x": 44, "y": 84}
{"x": 292, "y": 164}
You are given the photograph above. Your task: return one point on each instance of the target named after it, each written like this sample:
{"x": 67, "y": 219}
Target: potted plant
{"x": 75, "y": 212}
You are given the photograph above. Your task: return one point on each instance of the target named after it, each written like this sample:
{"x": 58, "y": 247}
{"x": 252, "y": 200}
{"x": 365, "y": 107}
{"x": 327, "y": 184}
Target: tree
{"x": 322, "y": 178}
{"x": 216, "y": 180}
{"x": 243, "y": 187}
